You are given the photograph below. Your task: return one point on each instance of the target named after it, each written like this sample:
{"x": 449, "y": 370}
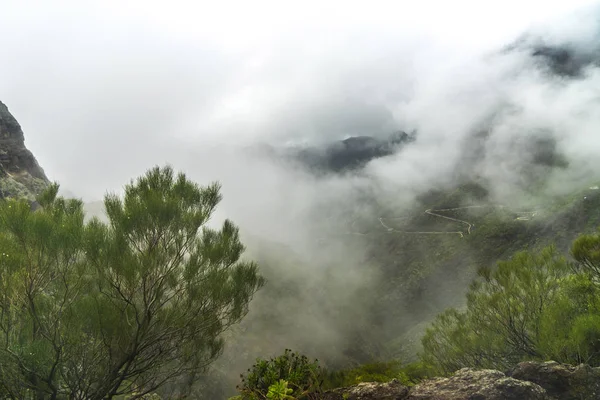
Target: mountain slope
{"x": 20, "y": 173}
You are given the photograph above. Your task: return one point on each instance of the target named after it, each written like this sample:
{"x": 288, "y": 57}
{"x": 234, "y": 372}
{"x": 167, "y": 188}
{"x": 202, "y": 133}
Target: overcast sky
{"x": 106, "y": 89}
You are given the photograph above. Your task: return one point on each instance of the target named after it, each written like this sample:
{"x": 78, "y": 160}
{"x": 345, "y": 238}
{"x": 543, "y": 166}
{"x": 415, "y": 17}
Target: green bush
{"x": 302, "y": 376}
{"x": 280, "y": 391}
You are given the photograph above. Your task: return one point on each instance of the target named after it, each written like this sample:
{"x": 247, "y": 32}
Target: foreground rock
{"x": 465, "y": 384}
{"x": 369, "y": 391}
{"x": 468, "y": 384}
{"x": 561, "y": 381}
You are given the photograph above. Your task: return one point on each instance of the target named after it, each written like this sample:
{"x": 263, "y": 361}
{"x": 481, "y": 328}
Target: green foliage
{"x": 302, "y": 376}
{"x": 122, "y": 308}
{"x": 534, "y": 306}
{"x": 373, "y": 372}
{"x": 408, "y": 374}
{"x": 502, "y": 323}
{"x": 571, "y": 324}
{"x": 414, "y": 372}
{"x": 586, "y": 250}
{"x": 280, "y": 391}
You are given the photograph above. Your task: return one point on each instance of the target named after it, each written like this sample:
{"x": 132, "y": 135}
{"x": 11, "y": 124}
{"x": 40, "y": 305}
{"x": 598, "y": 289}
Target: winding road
{"x": 521, "y": 216}
{"x": 525, "y": 216}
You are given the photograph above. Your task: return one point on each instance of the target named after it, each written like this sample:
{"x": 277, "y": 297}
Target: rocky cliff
{"x": 20, "y": 173}
{"x": 528, "y": 381}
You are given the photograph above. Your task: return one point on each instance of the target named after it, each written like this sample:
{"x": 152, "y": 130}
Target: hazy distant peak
{"x": 566, "y": 58}
{"x": 349, "y": 154}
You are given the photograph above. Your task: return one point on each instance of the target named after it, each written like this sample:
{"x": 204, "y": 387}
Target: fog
{"x": 105, "y": 91}
{"x": 91, "y": 83}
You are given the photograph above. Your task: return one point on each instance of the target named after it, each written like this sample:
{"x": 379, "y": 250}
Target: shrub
{"x": 280, "y": 391}
{"x": 302, "y": 376}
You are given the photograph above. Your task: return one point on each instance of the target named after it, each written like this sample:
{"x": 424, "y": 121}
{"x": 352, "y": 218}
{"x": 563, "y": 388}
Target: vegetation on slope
{"x": 538, "y": 305}
{"x": 418, "y": 276}
{"x": 535, "y": 306}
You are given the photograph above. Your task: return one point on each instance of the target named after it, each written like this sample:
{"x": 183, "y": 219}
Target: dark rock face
{"x": 561, "y": 381}
{"x": 14, "y": 156}
{"x": 566, "y": 60}
{"x": 20, "y": 173}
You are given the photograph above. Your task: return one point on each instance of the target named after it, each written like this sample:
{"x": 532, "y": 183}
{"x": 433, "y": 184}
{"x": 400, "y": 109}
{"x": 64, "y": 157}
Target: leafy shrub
{"x": 302, "y": 376}
{"x": 280, "y": 391}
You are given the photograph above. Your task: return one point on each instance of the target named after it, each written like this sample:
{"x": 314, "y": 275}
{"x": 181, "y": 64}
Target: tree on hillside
{"x": 42, "y": 275}
{"x": 502, "y": 324}
{"x": 570, "y": 326}
{"x": 586, "y": 250}
{"x": 98, "y": 310}
{"x": 533, "y": 306}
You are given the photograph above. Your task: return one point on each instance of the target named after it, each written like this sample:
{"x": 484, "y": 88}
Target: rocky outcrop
{"x": 468, "y": 384}
{"x": 20, "y": 173}
{"x": 527, "y": 381}
{"x": 369, "y": 391}
{"x": 561, "y": 381}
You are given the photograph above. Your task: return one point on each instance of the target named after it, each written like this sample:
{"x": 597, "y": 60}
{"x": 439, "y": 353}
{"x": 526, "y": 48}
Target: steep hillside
{"x": 429, "y": 271}
{"x": 20, "y": 173}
